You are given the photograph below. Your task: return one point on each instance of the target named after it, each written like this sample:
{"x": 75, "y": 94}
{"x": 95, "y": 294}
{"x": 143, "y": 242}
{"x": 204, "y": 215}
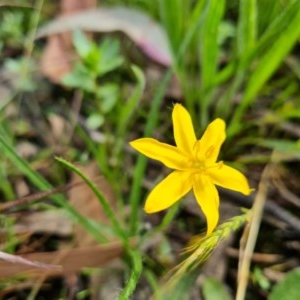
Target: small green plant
{"x": 95, "y": 63}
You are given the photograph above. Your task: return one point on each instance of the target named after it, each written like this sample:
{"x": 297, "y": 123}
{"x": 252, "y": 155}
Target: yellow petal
{"x": 208, "y": 199}
{"x": 169, "y": 155}
{"x": 184, "y": 133}
{"x": 208, "y": 147}
{"x": 229, "y": 178}
{"x": 168, "y": 191}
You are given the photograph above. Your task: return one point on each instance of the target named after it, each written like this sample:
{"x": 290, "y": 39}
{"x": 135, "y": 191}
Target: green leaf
{"x": 80, "y": 78}
{"x": 209, "y": 52}
{"x": 288, "y": 289}
{"x": 174, "y": 20}
{"x": 247, "y": 26}
{"x": 270, "y": 9}
{"x": 209, "y": 47}
{"x": 82, "y": 44}
{"x": 212, "y": 289}
{"x": 110, "y": 58}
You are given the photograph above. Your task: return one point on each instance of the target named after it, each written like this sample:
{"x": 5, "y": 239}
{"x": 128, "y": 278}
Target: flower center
{"x": 203, "y": 160}
{"x": 199, "y": 166}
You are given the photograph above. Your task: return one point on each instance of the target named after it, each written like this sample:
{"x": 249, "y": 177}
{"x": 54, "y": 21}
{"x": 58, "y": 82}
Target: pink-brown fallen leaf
{"x": 145, "y": 32}
{"x": 70, "y": 260}
{"x": 71, "y": 6}
{"x": 15, "y": 259}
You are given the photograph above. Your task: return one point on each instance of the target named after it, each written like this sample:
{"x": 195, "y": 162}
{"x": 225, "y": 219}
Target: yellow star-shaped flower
{"x": 195, "y": 167}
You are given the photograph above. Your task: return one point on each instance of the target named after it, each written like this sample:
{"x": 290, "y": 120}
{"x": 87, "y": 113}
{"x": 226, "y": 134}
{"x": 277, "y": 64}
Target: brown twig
{"x": 37, "y": 196}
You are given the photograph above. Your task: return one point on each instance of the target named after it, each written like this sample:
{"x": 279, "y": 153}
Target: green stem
{"x": 137, "y": 266}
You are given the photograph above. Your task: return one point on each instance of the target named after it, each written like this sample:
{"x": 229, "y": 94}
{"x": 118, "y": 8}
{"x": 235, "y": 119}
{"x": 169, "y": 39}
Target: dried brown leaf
{"x": 85, "y": 201}
{"x": 55, "y": 61}
{"x": 50, "y": 222}
{"x": 15, "y": 259}
{"x": 71, "y": 260}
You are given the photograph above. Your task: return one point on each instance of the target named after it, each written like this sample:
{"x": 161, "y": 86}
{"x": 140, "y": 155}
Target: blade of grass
{"x": 106, "y": 207}
{"x": 270, "y": 10}
{"x": 223, "y": 107}
{"x": 23, "y": 165}
{"x": 128, "y": 109}
{"x": 209, "y": 52}
{"x": 168, "y": 218}
{"x": 154, "y": 284}
{"x": 123, "y": 126}
{"x": 36, "y": 179}
{"x": 247, "y": 26}
{"x": 183, "y": 66}
{"x": 278, "y": 25}
{"x": 188, "y": 44}
{"x": 174, "y": 20}
{"x": 246, "y": 39}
